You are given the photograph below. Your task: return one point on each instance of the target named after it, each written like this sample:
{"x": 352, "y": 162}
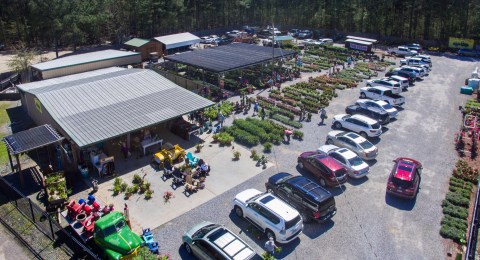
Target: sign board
{"x": 460, "y": 43}
{"x": 38, "y": 105}
{"x": 358, "y": 47}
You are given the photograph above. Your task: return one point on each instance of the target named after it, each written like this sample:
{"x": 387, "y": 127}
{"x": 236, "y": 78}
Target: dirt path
{"x": 45, "y": 56}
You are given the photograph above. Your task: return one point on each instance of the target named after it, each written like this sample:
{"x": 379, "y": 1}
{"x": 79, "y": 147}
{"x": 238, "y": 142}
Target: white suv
{"x": 363, "y": 125}
{"x": 400, "y": 80}
{"x": 269, "y": 214}
{"x": 393, "y": 85}
{"x": 380, "y": 104}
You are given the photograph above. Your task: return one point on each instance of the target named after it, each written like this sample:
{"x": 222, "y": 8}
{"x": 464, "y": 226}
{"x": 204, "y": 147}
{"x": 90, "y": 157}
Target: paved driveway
{"x": 368, "y": 224}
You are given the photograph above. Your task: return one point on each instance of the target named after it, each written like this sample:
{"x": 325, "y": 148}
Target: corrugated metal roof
{"x": 82, "y": 59}
{"x": 137, "y": 42}
{"x": 178, "y": 40}
{"x": 54, "y": 81}
{"x": 105, "y": 106}
{"x": 31, "y": 139}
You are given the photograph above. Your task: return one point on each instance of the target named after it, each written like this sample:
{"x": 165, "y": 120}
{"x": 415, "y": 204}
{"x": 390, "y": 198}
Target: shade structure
{"x": 31, "y": 139}
{"x": 229, "y": 57}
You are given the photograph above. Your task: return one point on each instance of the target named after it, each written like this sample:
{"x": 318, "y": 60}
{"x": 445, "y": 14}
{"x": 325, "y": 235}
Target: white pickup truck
{"x": 382, "y": 93}
{"x": 401, "y": 51}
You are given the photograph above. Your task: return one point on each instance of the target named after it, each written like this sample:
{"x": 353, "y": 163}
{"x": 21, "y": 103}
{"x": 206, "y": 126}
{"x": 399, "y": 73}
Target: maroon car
{"x": 328, "y": 171}
{"x": 405, "y": 178}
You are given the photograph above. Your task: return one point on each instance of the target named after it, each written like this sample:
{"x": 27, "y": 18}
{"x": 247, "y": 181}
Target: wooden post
{"x": 22, "y": 181}
{"x": 11, "y": 163}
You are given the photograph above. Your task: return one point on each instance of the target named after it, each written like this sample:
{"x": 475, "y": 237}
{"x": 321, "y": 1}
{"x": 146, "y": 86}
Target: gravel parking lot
{"x": 368, "y": 224}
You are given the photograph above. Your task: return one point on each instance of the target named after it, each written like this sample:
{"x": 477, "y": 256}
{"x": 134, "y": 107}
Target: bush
{"x": 243, "y": 137}
{"x": 224, "y": 138}
{"x": 461, "y": 224}
{"x": 297, "y": 134}
{"x": 454, "y": 211}
{"x": 453, "y": 233}
{"x": 287, "y": 121}
{"x": 457, "y": 199}
{"x": 137, "y": 179}
{"x": 267, "y": 147}
{"x": 253, "y": 153}
{"x": 252, "y": 129}
{"x": 460, "y": 191}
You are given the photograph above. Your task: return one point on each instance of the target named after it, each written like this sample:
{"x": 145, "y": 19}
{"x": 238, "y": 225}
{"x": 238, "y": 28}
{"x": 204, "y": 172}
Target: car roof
{"x": 276, "y": 205}
{"x": 405, "y": 169}
{"x": 355, "y": 137}
{"x": 398, "y": 77}
{"x": 279, "y": 176}
{"x": 329, "y": 162}
{"x": 367, "y": 120}
{"x": 381, "y": 88}
{"x": 346, "y": 153}
{"x": 310, "y": 188}
{"x": 229, "y": 243}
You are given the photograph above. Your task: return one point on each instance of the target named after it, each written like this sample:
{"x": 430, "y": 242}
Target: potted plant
{"x": 137, "y": 179}
{"x": 128, "y": 192}
{"x": 236, "y": 155}
{"x": 167, "y": 196}
{"x": 199, "y": 147}
{"x": 148, "y": 194}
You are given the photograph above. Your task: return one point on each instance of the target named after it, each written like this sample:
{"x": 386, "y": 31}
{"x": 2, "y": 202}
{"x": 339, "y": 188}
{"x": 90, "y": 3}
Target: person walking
{"x": 270, "y": 246}
{"x": 323, "y": 115}
{"x": 255, "y": 108}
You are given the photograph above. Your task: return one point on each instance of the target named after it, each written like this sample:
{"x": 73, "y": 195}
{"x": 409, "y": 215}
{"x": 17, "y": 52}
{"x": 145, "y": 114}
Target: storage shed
{"x": 177, "y": 42}
{"x": 144, "y": 46}
{"x": 83, "y": 62}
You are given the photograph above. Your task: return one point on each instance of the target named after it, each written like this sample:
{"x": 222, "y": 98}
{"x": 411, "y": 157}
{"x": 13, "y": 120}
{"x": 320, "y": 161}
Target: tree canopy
{"x": 77, "y": 22}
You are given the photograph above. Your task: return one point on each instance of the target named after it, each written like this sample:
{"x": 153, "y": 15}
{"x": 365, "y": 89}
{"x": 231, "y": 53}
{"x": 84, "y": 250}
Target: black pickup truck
{"x": 374, "y": 113}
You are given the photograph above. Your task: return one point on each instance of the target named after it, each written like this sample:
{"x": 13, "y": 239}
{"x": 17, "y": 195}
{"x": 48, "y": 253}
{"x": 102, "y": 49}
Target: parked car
{"x": 294, "y": 32}
{"x": 269, "y": 214}
{"x": 328, "y": 171}
{"x": 233, "y": 34}
{"x": 207, "y": 240}
{"x": 421, "y": 71}
{"x": 311, "y": 42}
{"x": 2, "y": 47}
{"x": 411, "y": 76}
{"x": 404, "y": 180}
{"x": 380, "y": 104}
{"x": 362, "y": 125}
{"x": 305, "y": 34}
{"x": 312, "y": 201}
{"x": 355, "y": 166}
{"x": 404, "y": 83}
{"x": 381, "y": 116}
{"x": 206, "y": 39}
{"x": 223, "y": 41}
{"x": 468, "y": 53}
{"x": 414, "y": 47}
{"x": 410, "y": 70}
{"x": 402, "y": 51}
{"x": 326, "y": 41}
{"x": 393, "y": 85}
{"x": 361, "y": 146}
{"x": 382, "y": 93}
{"x": 411, "y": 61}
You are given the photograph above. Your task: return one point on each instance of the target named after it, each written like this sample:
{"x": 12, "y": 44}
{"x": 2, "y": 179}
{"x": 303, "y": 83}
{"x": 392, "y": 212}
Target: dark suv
{"x": 374, "y": 113}
{"x": 312, "y": 201}
{"x": 408, "y": 75}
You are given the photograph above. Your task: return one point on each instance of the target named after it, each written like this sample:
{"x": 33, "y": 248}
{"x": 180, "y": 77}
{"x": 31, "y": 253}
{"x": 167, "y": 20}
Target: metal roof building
{"x": 83, "y": 62}
{"x": 96, "y": 106}
{"x": 178, "y": 40}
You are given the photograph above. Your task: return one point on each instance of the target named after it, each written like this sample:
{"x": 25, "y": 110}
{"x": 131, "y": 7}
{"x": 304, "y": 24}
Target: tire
{"x": 305, "y": 217}
{"x": 362, "y": 95}
{"x": 368, "y": 85}
{"x": 364, "y": 135}
{"x": 300, "y": 165}
{"x": 329, "y": 141}
{"x": 337, "y": 125}
{"x": 269, "y": 234}
{"x": 323, "y": 183}
{"x": 238, "y": 211}
{"x": 188, "y": 248}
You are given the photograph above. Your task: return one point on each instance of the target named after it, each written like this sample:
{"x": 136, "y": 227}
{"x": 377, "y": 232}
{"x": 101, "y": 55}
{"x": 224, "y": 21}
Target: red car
{"x": 328, "y": 171}
{"x": 405, "y": 178}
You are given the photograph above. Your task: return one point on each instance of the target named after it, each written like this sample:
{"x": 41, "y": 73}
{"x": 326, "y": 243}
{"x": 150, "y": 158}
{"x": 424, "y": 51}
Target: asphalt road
{"x": 368, "y": 224}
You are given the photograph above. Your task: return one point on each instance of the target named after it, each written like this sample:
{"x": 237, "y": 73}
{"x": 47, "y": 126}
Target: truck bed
{"x": 77, "y": 226}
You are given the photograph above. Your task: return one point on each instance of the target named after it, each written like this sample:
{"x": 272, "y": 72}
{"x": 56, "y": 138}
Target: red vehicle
{"x": 328, "y": 171}
{"x": 404, "y": 180}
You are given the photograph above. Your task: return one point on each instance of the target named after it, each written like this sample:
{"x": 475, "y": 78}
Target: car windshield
{"x": 204, "y": 230}
{"x": 366, "y": 144}
{"x": 355, "y": 161}
{"x": 387, "y": 106}
{"x": 292, "y": 222}
{"x": 376, "y": 126}
{"x": 114, "y": 228}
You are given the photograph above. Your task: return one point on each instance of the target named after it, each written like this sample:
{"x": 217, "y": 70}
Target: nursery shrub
{"x": 454, "y": 211}
{"x": 457, "y": 199}
{"x": 461, "y": 224}
{"x": 287, "y": 121}
{"x": 453, "y": 233}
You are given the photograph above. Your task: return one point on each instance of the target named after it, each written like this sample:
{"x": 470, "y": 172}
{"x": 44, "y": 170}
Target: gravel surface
{"x": 368, "y": 224}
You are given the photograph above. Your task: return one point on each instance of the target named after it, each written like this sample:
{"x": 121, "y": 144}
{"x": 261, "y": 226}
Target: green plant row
{"x": 451, "y": 232}
{"x": 454, "y": 211}
{"x": 460, "y": 191}
{"x": 287, "y": 121}
{"x": 458, "y": 199}
{"x": 252, "y": 129}
{"x": 455, "y": 222}
{"x": 241, "y": 136}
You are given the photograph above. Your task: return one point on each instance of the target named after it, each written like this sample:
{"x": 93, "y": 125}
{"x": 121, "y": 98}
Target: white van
{"x": 400, "y": 80}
